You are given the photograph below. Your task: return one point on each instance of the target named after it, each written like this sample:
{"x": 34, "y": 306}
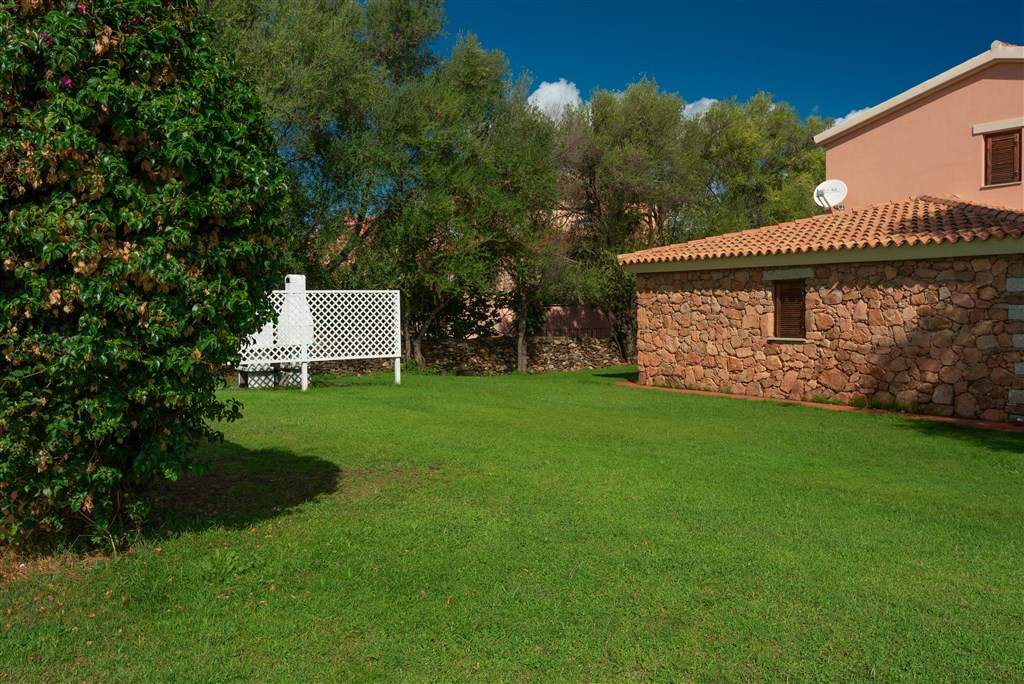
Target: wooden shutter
{"x": 1002, "y": 158}
{"x": 789, "y": 308}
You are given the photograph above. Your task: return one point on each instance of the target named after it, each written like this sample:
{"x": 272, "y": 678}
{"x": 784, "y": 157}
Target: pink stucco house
{"x": 913, "y": 294}
{"x": 937, "y": 137}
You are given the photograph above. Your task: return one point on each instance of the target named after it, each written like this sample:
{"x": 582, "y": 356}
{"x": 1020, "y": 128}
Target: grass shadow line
{"x": 244, "y": 487}
{"x": 992, "y": 440}
{"x": 627, "y": 374}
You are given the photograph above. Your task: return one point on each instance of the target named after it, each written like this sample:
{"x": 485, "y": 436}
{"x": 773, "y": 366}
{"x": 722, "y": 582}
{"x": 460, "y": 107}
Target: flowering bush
{"x": 140, "y": 204}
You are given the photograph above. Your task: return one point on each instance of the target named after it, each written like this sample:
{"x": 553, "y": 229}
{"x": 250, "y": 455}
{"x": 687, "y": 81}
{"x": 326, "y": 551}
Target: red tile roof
{"x": 914, "y": 221}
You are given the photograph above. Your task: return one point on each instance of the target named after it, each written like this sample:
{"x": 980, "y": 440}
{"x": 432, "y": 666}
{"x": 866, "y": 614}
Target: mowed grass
{"x": 553, "y": 528}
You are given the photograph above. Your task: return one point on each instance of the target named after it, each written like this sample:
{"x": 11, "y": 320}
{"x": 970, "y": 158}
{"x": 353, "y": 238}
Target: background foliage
{"x": 431, "y": 174}
{"x": 140, "y": 199}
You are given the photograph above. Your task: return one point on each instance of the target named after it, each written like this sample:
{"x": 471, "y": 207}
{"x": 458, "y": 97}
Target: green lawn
{"x": 554, "y": 528}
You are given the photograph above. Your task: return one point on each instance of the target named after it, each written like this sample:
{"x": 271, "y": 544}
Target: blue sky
{"x": 825, "y": 58}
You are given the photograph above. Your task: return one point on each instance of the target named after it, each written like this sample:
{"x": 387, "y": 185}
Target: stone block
{"x": 987, "y": 342}
{"x": 994, "y": 415}
{"x": 1001, "y": 376}
{"x": 950, "y": 374}
{"x": 1015, "y": 284}
{"x": 943, "y": 395}
{"x": 833, "y": 297}
{"x": 834, "y": 379}
{"x": 975, "y": 371}
{"x": 965, "y": 406}
{"x": 1016, "y": 397}
{"x": 1016, "y": 312}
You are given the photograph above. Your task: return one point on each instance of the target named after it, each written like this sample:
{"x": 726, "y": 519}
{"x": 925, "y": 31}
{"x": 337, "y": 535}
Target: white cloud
{"x": 553, "y": 98}
{"x": 699, "y": 107}
{"x": 849, "y": 116}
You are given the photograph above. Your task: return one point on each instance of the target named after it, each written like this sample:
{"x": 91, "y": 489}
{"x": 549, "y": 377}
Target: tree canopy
{"x": 431, "y": 174}
{"x": 141, "y": 198}
{"x": 759, "y": 166}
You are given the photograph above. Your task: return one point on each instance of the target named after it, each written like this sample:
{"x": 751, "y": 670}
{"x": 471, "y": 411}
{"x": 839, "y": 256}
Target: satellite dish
{"x": 830, "y": 193}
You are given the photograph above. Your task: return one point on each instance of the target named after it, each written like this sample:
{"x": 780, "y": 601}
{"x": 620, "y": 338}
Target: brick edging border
{"x": 965, "y": 422}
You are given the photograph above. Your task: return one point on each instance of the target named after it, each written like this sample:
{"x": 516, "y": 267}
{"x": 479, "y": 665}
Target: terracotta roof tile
{"x": 914, "y": 221}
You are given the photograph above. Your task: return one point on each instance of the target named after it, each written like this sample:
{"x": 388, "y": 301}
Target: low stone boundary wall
{"x": 496, "y": 355}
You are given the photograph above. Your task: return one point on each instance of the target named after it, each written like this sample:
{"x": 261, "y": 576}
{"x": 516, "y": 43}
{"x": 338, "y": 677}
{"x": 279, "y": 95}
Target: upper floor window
{"x": 1002, "y": 157}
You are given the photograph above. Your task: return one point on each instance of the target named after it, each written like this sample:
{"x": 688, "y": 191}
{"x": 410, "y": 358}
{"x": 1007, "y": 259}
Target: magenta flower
{"x": 82, "y": 8}
{"x": 47, "y": 40}
{"x": 65, "y": 81}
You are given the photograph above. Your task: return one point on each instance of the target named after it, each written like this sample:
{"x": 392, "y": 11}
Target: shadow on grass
{"x": 994, "y": 441}
{"x": 243, "y": 488}
{"x": 627, "y": 374}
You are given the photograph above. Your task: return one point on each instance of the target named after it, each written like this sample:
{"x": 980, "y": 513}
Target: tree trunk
{"x": 522, "y": 359}
{"x": 417, "y": 352}
{"x": 406, "y": 340}
{"x": 623, "y": 322}
{"x": 417, "y": 340}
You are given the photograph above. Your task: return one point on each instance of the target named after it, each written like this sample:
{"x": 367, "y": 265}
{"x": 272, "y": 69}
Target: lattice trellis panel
{"x": 328, "y": 325}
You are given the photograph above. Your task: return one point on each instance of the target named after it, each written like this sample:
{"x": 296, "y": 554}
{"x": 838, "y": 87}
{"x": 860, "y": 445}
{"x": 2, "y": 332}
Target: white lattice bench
{"x": 321, "y": 325}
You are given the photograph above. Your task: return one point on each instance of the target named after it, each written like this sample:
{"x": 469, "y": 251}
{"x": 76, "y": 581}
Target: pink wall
{"x": 577, "y": 320}
{"x": 573, "y": 320}
{"x": 928, "y": 147}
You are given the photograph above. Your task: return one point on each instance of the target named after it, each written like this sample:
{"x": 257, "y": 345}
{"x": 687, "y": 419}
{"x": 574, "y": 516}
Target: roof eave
{"x": 961, "y": 248}
{"x": 998, "y": 53}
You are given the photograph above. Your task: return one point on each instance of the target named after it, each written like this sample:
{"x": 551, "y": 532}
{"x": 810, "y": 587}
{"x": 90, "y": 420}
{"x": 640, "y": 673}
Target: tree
{"x": 760, "y": 166}
{"x": 469, "y": 174}
{"x": 426, "y": 188}
{"x": 524, "y": 166}
{"x": 398, "y": 34}
{"x": 637, "y": 174}
{"x": 141, "y": 195}
{"x": 319, "y": 83}
{"x": 627, "y": 170}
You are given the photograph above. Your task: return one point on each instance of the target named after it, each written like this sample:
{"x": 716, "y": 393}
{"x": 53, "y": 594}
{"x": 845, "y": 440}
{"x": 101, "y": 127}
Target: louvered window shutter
{"x": 789, "y": 309}
{"x": 1002, "y": 158}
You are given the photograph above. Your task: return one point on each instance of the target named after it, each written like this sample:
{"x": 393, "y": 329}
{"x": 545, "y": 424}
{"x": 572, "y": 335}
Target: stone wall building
{"x": 919, "y": 302}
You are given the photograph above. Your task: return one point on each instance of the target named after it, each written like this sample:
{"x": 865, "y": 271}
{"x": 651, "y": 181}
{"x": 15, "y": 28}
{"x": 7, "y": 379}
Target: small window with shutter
{"x": 1002, "y": 157}
{"x": 789, "y": 309}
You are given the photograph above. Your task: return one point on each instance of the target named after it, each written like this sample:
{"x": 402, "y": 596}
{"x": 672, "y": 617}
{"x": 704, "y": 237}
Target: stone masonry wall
{"x": 494, "y": 355}
{"x": 942, "y": 336}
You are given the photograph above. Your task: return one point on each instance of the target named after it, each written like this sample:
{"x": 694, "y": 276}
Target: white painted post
{"x": 297, "y": 320}
{"x": 398, "y": 337}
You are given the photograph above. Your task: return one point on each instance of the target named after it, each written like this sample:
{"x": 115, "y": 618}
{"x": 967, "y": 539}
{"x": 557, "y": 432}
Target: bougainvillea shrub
{"x": 140, "y": 230}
